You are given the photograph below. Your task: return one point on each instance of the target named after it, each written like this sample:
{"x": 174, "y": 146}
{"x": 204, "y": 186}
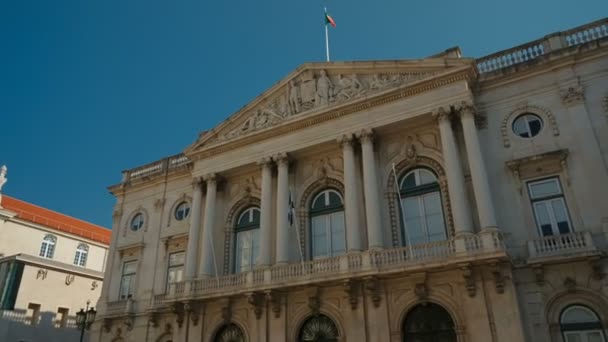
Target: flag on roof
{"x": 329, "y": 20}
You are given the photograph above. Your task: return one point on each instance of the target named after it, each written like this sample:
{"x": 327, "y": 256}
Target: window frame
{"x": 187, "y": 211}
{"x": 48, "y": 244}
{"x": 586, "y": 327}
{"x": 326, "y": 211}
{"x": 170, "y": 267}
{"x": 547, "y": 199}
{"x": 418, "y": 192}
{"x": 81, "y": 254}
{"x": 525, "y": 116}
{"x": 132, "y": 220}
{"x": 132, "y": 276}
{"x": 241, "y": 229}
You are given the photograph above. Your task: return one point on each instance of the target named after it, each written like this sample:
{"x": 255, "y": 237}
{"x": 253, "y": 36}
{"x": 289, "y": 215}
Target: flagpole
{"x": 407, "y": 239}
{"x": 295, "y": 221}
{"x": 326, "y": 38}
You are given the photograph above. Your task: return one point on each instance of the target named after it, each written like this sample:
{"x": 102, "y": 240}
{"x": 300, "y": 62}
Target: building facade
{"x": 441, "y": 199}
{"x": 51, "y": 266}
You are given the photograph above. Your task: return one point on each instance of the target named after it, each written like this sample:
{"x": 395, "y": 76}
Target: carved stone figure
{"x": 3, "y": 181}
{"x": 350, "y": 87}
{"x": 379, "y": 82}
{"x": 294, "y": 98}
{"x": 325, "y": 89}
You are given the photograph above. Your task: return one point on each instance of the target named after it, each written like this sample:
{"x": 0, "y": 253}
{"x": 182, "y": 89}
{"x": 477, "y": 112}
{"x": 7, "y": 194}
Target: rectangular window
{"x": 127, "y": 281}
{"x": 549, "y": 205}
{"x": 175, "y": 271}
{"x": 61, "y": 320}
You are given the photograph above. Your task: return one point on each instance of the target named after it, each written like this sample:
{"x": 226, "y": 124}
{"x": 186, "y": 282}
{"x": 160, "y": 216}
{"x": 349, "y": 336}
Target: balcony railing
{"x": 561, "y": 245}
{"x": 119, "y": 307}
{"x": 360, "y": 264}
{"x": 534, "y": 49}
{"x": 156, "y": 168}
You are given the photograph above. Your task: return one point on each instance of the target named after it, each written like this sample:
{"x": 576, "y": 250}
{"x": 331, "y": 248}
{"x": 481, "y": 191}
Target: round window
{"x": 182, "y": 211}
{"x": 527, "y": 125}
{"x": 137, "y": 222}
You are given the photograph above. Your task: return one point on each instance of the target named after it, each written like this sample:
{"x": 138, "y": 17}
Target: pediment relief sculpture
{"x": 313, "y": 89}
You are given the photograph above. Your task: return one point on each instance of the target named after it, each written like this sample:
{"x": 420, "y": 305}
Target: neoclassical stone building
{"x": 442, "y": 199}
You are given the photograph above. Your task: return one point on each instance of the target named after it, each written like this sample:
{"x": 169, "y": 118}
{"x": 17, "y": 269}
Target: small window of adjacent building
{"x": 47, "y": 248}
{"x": 80, "y": 258}
{"x": 137, "y": 222}
{"x": 62, "y": 317}
{"x": 127, "y": 281}
{"x": 175, "y": 271}
{"x": 579, "y": 324}
{"x": 549, "y": 207}
{"x": 527, "y": 125}
{"x": 182, "y": 211}
{"x": 34, "y": 313}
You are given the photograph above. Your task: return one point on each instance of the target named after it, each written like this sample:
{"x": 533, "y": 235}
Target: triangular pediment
{"x": 319, "y": 87}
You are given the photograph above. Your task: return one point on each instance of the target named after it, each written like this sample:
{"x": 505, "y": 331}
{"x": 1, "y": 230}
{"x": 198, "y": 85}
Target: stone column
{"x": 207, "y": 266}
{"x": 282, "y": 243}
{"x": 351, "y": 200}
{"x": 481, "y": 186}
{"x": 370, "y": 186}
{"x": 195, "y": 228}
{"x": 265, "y": 213}
{"x": 453, "y": 169}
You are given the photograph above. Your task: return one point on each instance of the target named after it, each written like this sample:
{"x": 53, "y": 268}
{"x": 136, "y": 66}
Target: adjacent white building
{"x": 51, "y": 265}
{"x": 439, "y": 199}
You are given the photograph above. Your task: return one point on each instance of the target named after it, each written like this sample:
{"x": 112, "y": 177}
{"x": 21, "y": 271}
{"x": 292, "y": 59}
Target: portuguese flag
{"x": 329, "y": 20}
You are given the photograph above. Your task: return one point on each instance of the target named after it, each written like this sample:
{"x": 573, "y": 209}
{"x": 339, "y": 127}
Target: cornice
{"x": 55, "y": 265}
{"x": 466, "y": 73}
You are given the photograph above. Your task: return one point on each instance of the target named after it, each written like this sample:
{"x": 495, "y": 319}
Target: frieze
{"x": 310, "y": 91}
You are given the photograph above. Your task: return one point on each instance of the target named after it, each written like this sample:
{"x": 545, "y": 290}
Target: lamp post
{"x": 84, "y": 319}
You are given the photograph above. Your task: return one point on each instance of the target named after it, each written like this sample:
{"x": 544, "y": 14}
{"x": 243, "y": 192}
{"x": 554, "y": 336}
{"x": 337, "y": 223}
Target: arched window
{"x": 229, "y": 333}
{"x": 319, "y": 328}
{"x": 428, "y": 323}
{"x": 581, "y": 324}
{"x": 182, "y": 211}
{"x": 247, "y": 239}
{"x": 80, "y": 258}
{"x": 421, "y": 207}
{"x": 137, "y": 222}
{"x": 47, "y": 249}
{"x": 327, "y": 233}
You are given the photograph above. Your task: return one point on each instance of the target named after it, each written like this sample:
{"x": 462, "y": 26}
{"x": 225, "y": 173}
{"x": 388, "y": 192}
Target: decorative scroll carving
{"x": 372, "y": 286}
{"x": 469, "y": 279}
{"x": 311, "y": 90}
{"x": 499, "y": 279}
{"x": 420, "y": 287}
{"x": 256, "y": 300}
{"x": 351, "y": 287}
{"x": 178, "y": 310}
{"x": 274, "y": 298}
{"x": 107, "y": 325}
{"x": 193, "y": 309}
{"x": 597, "y": 268}
{"x": 505, "y": 127}
{"x": 314, "y": 301}
{"x": 69, "y": 279}
{"x": 572, "y": 95}
{"x": 94, "y": 285}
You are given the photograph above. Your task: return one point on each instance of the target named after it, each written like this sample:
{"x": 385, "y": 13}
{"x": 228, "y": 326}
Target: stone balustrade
{"x": 564, "y": 245}
{"x": 116, "y": 308}
{"x": 373, "y": 262}
{"x": 534, "y": 49}
{"x": 156, "y": 168}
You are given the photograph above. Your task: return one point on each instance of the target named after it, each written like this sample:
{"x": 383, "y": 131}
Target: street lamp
{"x": 84, "y": 319}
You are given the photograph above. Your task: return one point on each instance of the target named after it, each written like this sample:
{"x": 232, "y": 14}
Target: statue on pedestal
{"x": 3, "y": 180}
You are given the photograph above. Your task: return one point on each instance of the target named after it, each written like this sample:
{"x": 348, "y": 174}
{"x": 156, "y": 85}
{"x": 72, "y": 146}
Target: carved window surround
{"x": 539, "y": 165}
{"x": 174, "y": 243}
{"x": 132, "y": 249}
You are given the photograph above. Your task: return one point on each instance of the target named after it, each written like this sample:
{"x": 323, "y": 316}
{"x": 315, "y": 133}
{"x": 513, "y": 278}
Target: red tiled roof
{"x": 52, "y": 219}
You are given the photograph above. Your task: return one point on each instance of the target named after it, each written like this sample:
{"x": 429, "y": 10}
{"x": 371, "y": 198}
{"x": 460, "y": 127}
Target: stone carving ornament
{"x": 3, "y": 181}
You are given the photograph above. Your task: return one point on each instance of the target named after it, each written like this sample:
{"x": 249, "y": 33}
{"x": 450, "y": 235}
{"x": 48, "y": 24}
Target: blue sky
{"x": 89, "y": 88}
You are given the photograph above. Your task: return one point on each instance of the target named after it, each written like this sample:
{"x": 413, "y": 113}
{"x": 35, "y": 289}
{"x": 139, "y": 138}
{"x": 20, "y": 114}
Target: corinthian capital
{"x": 197, "y": 181}
{"x": 441, "y": 114}
{"x": 281, "y": 158}
{"x": 265, "y": 162}
{"x": 366, "y": 135}
{"x": 210, "y": 177}
{"x": 466, "y": 108}
{"x": 346, "y": 140}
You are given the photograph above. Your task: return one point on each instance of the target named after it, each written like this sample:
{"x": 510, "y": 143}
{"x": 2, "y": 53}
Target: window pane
{"x": 572, "y": 337}
{"x": 319, "y": 202}
{"x": 413, "y": 221}
{"x": 243, "y": 251}
{"x": 409, "y": 181}
{"x": 434, "y": 217}
{"x": 578, "y": 314}
{"x": 426, "y": 177}
{"x": 594, "y": 336}
{"x": 520, "y": 127}
{"x": 561, "y": 216}
{"x": 129, "y": 267}
{"x": 535, "y": 125}
{"x": 334, "y": 199}
{"x": 319, "y": 236}
{"x": 542, "y": 218}
{"x": 544, "y": 188}
{"x": 338, "y": 237}
{"x": 255, "y": 251}
{"x": 176, "y": 258}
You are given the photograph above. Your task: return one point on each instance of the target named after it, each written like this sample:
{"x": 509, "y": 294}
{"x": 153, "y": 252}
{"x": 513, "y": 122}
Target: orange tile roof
{"x": 52, "y": 219}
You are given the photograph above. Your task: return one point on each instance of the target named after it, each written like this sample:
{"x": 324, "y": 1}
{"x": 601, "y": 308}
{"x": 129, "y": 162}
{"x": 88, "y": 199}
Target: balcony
{"x": 559, "y": 247}
{"x": 119, "y": 308}
{"x": 372, "y": 263}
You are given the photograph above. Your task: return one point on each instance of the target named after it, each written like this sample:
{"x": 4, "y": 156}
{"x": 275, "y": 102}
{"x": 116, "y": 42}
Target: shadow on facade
{"x": 24, "y": 326}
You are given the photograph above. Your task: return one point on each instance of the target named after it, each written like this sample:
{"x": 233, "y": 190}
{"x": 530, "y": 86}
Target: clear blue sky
{"x": 89, "y": 88}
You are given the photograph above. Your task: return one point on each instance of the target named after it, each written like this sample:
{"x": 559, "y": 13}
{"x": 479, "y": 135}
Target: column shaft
{"x": 351, "y": 195}
{"x": 481, "y": 186}
{"x": 282, "y": 244}
{"x": 370, "y": 186}
{"x": 207, "y": 266}
{"x": 194, "y": 231}
{"x": 266, "y": 214}
{"x": 458, "y": 200}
